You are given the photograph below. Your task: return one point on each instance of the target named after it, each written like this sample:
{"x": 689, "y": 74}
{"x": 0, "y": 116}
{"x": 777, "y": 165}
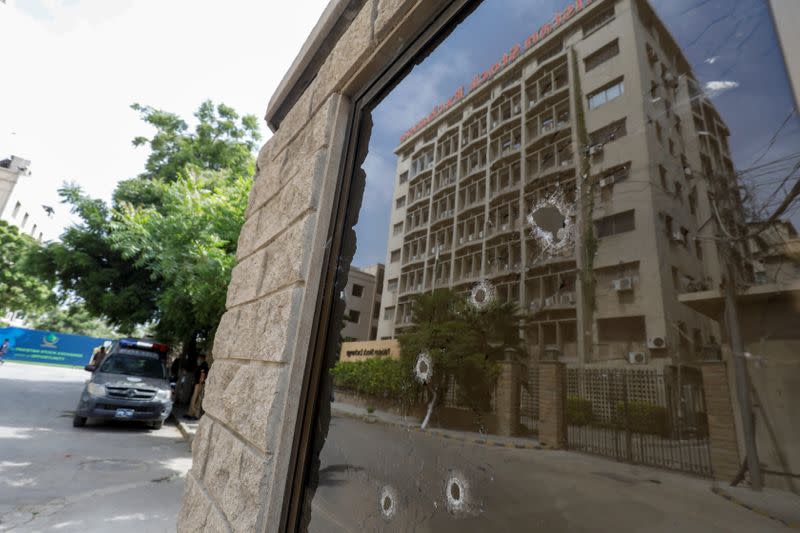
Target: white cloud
{"x": 719, "y": 86}
{"x": 73, "y": 68}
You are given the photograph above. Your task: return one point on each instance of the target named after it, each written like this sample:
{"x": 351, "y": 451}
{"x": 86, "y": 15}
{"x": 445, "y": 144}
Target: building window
{"x": 698, "y": 249}
{"x": 391, "y": 285}
{"x": 668, "y": 225}
{"x": 24, "y": 221}
{"x": 16, "y": 210}
{"x": 358, "y": 290}
{"x": 659, "y": 132}
{"x": 376, "y": 310}
{"x": 395, "y": 257}
{"x": 404, "y": 177}
{"x": 615, "y": 224}
{"x": 671, "y": 147}
{"x": 653, "y": 90}
{"x": 693, "y": 202}
{"x": 600, "y": 20}
{"x": 388, "y": 313}
{"x": 400, "y": 202}
{"x": 354, "y": 316}
{"x": 397, "y": 229}
{"x": 608, "y": 133}
{"x": 606, "y": 94}
{"x": 602, "y": 55}
{"x": 679, "y": 191}
{"x": 373, "y": 334}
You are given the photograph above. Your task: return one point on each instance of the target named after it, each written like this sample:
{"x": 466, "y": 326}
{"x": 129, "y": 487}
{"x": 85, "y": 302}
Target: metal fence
{"x": 529, "y": 400}
{"x": 639, "y": 416}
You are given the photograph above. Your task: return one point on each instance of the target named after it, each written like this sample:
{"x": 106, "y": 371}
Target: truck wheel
{"x": 78, "y": 421}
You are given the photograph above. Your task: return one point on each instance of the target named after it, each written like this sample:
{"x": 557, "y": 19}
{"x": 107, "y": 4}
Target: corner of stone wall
{"x": 252, "y": 398}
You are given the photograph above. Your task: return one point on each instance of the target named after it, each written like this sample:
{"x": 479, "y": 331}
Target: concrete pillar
{"x": 552, "y": 404}
{"x": 725, "y": 458}
{"x": 507, "y": 398}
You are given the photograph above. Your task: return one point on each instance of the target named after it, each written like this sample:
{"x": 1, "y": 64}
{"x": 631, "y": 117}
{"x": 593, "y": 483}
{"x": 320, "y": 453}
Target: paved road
{"x": 503, "y": 489}
{"x": 55, "y": 477}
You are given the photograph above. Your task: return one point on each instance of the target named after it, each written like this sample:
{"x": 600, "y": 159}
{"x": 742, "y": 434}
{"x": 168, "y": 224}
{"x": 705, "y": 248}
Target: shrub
{"x": 579, "y": 411}
{"x": 644, "y": 417}
{"x": 380, "y": 378}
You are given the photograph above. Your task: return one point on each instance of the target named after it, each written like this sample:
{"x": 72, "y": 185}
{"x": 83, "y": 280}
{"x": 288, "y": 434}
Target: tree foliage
{"x": 21, "y": 290}
{"x": 161, "y": 252}
{"x": 189, "y": 245}
{"x": 73, "y": 318}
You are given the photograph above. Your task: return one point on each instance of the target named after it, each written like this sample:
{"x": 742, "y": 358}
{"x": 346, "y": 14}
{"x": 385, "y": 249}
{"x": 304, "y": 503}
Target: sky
{"x": 72, "y": 68}
{"x": 734, "y": 49}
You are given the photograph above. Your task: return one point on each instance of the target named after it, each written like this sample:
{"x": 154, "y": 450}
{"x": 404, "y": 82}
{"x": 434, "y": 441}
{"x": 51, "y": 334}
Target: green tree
{"x": 73, "y": 318}
{"x": 463, "y": 343}
{"x": 21, "y": 290}
{"x": 189, "y": 245}
{"x": 111, "y": 267}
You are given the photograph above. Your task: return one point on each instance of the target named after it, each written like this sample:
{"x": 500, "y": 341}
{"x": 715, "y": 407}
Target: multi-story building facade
{"x": 362, "y": 303}
{"x": 20, "y": 210}
{"x": 642, "y": 162}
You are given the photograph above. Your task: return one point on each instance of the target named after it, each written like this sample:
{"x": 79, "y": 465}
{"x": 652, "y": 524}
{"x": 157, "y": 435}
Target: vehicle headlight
{"x": 96, "y": 390}
{"x": 163, "y": 395}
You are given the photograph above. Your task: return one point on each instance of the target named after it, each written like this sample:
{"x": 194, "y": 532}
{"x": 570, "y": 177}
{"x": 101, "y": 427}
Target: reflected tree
{"x": 464, "y": 345}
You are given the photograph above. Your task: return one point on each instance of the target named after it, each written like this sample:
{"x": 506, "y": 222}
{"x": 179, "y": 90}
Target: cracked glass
{"x": 572, "y": 232}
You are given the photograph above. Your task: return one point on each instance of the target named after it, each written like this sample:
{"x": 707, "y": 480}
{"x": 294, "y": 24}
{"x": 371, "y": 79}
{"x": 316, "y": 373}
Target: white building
{"x": 19, "y": 207}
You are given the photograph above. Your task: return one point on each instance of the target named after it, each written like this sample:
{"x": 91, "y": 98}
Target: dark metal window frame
{"x": 323, "y": 338}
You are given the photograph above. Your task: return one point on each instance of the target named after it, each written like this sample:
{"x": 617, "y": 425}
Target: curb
{"x": 457, "y": 438}
{"x": 182, "y": 428}
{"x": 720, "y": 492}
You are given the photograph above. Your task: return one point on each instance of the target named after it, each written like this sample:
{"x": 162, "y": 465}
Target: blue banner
{"x": 48, "y": 347}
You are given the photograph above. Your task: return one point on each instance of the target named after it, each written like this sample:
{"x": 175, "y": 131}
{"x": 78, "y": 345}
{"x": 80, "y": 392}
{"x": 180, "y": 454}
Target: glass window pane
{"x": 549, "y": 286}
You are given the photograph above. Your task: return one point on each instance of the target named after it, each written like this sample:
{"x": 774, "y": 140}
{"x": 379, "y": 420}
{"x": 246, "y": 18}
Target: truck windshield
{"x": 134, "y": 366}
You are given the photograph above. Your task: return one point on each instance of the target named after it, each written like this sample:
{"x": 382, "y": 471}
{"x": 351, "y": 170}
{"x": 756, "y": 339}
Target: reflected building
{"x": 362, "y": 296}
{"x": 603, "y": 110}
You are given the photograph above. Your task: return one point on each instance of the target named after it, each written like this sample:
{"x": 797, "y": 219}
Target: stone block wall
{"x": 552, "y": 404}
{"x": 252, "y": 399}
{"x": 725, "y": 458}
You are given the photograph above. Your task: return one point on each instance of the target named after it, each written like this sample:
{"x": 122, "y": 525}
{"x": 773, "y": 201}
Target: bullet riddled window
{"x": 565, "y": 343}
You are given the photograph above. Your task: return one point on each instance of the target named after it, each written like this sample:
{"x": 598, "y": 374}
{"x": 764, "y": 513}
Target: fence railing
{"x": 638, "y": 416}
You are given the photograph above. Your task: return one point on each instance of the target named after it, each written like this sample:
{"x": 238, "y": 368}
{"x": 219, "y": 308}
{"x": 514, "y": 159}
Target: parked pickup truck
{"x": 131, "y": 383}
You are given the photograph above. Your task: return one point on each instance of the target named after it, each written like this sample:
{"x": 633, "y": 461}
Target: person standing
{"x": 200, "y": 373}
{"x": 3, "y": 351}
{"x": 97, "y": 358}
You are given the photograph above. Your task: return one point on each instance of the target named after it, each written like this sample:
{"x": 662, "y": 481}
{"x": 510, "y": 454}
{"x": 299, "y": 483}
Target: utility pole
{"x": 742, "y": 382}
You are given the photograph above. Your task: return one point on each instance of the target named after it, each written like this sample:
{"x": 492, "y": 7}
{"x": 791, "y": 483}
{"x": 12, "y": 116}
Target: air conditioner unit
{"x": 461, "y": 240}
{"x": 480, "y": 234}
{"x": 550, "y": 301}
{"x": 596, "y": 149}
{"x": 504, "y": 227}
{"x": 677, "y": 236}
{"x": 623, "y": 284}
{"x": 688, "y": 173}
{"x": 516, "y": 108}
{"x": 607, "y": 182}
{"x": 471, "y": 237}
{"x": 536, "y": 305}
{"x": 637, "y": 358}
{"x": 656, "y": 343}
{"x": 567, "y": 298}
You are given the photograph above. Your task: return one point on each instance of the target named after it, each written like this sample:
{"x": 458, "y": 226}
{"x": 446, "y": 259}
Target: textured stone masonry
{"x": 241, "y": 450}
